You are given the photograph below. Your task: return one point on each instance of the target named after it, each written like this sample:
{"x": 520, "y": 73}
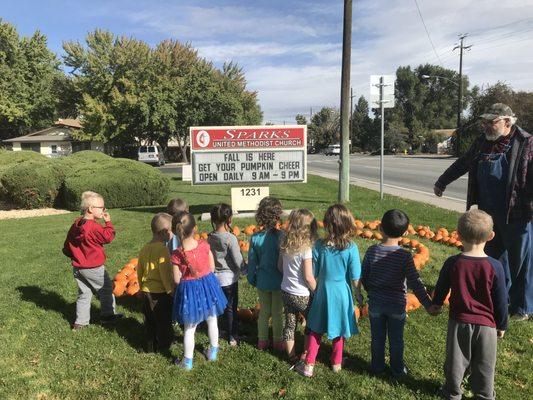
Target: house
{"x": 54, "y": 141}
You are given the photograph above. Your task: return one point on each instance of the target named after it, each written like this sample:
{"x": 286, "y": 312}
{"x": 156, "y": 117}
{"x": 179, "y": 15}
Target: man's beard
{"x": 492, "y": 136}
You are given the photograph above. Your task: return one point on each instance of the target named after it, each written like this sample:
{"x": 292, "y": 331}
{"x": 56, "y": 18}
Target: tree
{"x": 300, "y": 119}
{"x": 131, "y": 92}
{"x": 325, "y": 127}
{"x": 361, "y": 125}
{"x": 29, "y": 77}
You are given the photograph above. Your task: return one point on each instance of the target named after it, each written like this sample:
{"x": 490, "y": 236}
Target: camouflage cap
{"x": 497, "y": 110}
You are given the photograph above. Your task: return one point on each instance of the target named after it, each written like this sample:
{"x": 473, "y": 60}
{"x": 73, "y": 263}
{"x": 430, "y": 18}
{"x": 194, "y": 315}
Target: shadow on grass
{"x": 129, "y": 329}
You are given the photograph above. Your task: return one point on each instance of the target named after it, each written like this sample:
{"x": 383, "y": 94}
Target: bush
{"x": 8, "y": 159}
{"x": 122, "y": 183}
{"x": 32, "y": 184}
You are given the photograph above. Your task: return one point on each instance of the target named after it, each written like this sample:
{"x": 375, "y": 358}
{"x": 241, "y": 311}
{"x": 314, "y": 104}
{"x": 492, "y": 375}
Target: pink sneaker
{"x": 305, "y": 369}
{"x": 263, "y": 344}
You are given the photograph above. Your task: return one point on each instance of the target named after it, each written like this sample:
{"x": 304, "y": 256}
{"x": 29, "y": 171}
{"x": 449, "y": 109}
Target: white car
{"x": 333, "y": 150}
{"x": 151, "y": 155}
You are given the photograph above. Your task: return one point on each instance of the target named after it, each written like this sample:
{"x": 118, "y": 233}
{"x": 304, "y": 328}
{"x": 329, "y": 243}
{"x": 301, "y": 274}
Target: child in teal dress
{"x": 263, "y": 272}
{"x": 336, "y": 265}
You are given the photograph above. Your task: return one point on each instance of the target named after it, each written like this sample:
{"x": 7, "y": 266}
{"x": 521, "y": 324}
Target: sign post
{"x": 382, "y": 96}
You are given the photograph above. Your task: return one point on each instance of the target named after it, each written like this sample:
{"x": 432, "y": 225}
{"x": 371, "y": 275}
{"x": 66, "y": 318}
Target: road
{"x": 405, "y": 172}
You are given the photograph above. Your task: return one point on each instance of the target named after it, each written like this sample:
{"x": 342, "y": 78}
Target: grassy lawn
{"x": 41, "y": 358}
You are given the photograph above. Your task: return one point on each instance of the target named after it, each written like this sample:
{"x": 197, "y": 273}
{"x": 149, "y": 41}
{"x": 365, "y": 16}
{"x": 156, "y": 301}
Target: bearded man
{"x": 500, "y": 181}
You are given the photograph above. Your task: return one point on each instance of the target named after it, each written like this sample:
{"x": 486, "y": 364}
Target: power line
{"x": 427, "y": 32}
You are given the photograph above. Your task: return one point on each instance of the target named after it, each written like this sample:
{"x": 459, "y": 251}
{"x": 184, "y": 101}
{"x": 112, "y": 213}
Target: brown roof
{"x": 52, "y": 134}
{"x": 70, "y": 122}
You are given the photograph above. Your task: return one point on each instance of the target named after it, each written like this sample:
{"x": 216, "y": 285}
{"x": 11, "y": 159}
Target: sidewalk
{"x": 448, "y": 203}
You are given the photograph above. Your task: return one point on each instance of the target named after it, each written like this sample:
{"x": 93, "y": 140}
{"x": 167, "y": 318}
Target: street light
{"x": 459, "y": 104}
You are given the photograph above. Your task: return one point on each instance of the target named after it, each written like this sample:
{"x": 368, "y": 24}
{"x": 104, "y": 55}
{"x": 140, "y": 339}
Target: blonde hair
{"x": 161, "y": 222}
{"x": 183, "y": 225}
{"x": 340, "y": 226}
{"x": 87, "y": 200}
{"x": 302, "y": 231}
{"x": 176, "y": 206}
{"x": 475, "y": 226}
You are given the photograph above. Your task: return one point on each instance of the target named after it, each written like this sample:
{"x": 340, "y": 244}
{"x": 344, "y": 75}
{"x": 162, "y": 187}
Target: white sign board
{"x": 248, "y": 154}
{"x": 388, "y": 91}
{"x": 248, "y": 167}
{"x": 186, "y": 173}
{"x": 247, "y": 198}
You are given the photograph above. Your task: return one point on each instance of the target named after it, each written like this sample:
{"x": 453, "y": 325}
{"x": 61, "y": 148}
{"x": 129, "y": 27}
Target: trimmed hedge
{"x": 33, "y": 180}
{"x": 32, "y": 184}
{"x": 122, "y": 183}
{"x": 8, "y": 159}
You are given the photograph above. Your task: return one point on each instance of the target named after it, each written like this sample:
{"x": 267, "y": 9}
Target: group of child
{"x": 189, "y": 281}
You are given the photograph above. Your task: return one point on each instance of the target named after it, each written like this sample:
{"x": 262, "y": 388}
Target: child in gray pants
{"x": 84, "y": 246}
{"x": 478, "y": 309}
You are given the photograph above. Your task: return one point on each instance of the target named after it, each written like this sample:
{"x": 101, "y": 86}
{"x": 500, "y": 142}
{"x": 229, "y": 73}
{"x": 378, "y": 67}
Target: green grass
{"x": 41, "y": 358}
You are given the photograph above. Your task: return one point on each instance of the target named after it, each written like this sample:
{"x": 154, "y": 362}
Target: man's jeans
{"x": 384, "y": 320}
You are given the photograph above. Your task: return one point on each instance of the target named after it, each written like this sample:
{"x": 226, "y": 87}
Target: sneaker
{"x": 77, "y": 327}
{"x": 233, "y": 342}
{"x": 519, "y": 317}
{"x": 211, "y": 353}
{"x": 336, "y": 368}
{"x": 305, "y": 369}
{"x": 185, "y": 363}
{"x": 106, "y": 319}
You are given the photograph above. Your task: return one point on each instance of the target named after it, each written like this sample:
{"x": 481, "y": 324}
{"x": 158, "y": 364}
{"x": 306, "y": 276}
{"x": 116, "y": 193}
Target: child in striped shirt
{"x": 385, "y": 270}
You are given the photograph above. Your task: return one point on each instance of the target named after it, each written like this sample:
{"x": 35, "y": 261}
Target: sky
{"x": 291, "y": 51}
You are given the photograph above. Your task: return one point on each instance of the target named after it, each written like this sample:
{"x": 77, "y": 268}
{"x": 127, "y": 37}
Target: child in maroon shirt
{"x": 478, "y": 309}
{"x": 84, "y": 246}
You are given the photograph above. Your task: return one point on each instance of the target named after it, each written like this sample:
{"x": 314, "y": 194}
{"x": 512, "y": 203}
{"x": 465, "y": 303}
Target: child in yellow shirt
{"x": 157, "y": 285}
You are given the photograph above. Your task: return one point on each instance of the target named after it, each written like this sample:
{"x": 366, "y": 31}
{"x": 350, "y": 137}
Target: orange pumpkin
{"x": 321, "y": 224}
{"x": 133, "y": 277}
{"x": 359, "y": 224}
{"x": 412, "y": 302}
{"x": 357, "y": 312}
{"x": 134, "y": 261}
{"x": 378, "y": 236}
{"x": 364, "y": 310}
{"x": 236, "y": 231}
{"x": 249, "y": 230}
{"x": 132, "y": 288}
{"x": 405, "y": 241}
{"x": 245, "y": 315}
{"x": 367, "y": 234}
{"x": 119, "y": 287}
{"x": 196, "y": 236}
{"x": 414, "y": 243}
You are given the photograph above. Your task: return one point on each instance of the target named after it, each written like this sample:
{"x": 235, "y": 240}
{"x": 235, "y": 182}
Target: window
{"x": 151, "y": 149}
{"x": 54, "y": 149}
{"x": 142, "y": 149}
{"x": 31, "y": 146}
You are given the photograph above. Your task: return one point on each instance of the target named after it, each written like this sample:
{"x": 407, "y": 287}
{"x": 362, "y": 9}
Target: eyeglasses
{"x": 493, "y": 122}
{"x": 102, "y": 207}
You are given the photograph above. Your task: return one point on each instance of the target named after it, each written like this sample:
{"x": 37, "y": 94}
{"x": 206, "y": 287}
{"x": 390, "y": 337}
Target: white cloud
{"x": 292, "y": 56}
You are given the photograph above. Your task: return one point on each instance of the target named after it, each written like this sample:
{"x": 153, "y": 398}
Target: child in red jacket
{"x": 84, "y": 246}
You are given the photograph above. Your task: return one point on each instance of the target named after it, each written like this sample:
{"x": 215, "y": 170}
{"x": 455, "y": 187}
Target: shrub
{"x": 122, "y": 183}
{"x": 8, "y": 159}
{"x": 32, "y": 184}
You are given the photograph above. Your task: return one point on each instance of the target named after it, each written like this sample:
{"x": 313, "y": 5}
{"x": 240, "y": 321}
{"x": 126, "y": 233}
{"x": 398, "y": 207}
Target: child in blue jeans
{"x": 386, "y": 267}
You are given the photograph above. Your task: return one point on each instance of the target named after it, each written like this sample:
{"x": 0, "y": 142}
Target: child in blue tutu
{"x": 198, "y": 296}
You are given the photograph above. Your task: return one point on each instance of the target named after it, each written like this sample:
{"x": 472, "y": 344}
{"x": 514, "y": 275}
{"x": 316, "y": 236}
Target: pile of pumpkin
{"x": 126, "y": 280}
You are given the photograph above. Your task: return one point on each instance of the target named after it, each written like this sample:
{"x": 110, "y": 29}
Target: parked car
{"x": 151, "y": 155}
{"x": 333, "y": 150}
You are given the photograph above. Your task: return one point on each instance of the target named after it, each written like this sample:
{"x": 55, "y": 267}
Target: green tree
{"x": 300, "y": 119}
{"x": 361, "y": 125}
{"x": 325, "y": 127}
{"x": 29, "y": 77}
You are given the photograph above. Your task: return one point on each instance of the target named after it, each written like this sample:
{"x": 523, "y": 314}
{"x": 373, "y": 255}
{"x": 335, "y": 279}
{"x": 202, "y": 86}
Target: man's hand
{"x": 106, "y": 217}
{"x": 438, "y": 191}
{"x": 434, "y": 310}
{"x": 500, "y": 334}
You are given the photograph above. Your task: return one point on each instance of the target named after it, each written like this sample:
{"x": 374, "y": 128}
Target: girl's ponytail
{"x": 183, "y": 225}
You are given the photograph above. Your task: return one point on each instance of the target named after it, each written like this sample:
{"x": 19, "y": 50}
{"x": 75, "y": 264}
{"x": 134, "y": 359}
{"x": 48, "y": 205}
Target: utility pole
{"x": 351, "y": 118}
{"x": 344, "y": 167}
{"x": 460, "y": 94}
